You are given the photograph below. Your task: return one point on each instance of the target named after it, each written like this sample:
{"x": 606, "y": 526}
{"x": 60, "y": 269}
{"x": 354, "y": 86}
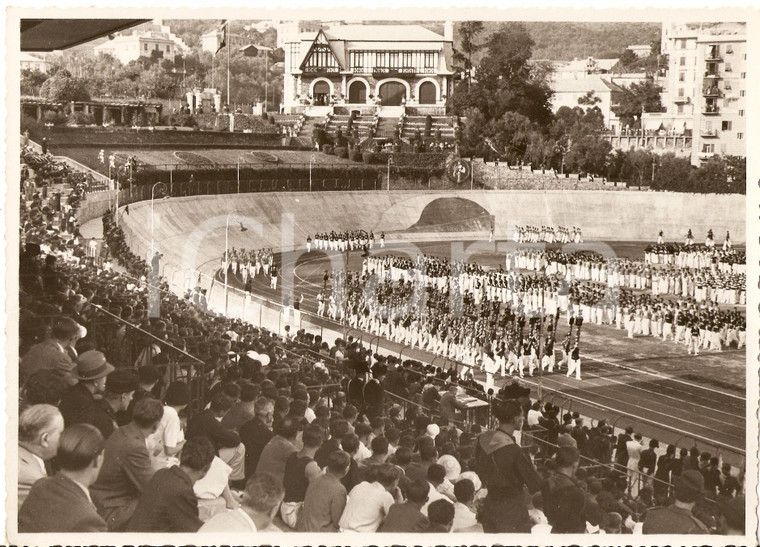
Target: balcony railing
{"x": 711, "y": 74}
{"x": 710, "y": 110}
{"x": 321, "y": 70}
{"x": 709, "y": 133}
{"x": 711, "y": 91}
{"x": 713, "y": 55}
{"x": 682, "y": 100}
{"x": 392, "y": 71}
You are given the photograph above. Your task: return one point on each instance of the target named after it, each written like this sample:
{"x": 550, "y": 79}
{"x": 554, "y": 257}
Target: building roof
{"x": 584, "y": 85}
{"x": 378, "y": 33}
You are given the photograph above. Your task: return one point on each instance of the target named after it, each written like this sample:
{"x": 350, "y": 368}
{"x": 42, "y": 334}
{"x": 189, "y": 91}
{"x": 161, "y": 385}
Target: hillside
{"x": 562, "y": 41}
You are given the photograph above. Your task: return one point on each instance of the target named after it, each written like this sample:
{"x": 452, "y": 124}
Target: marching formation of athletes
{"x": 547, "y": 234}
{"x": 709, "y": 239}
{"x": 343, "y": 241}
{"x": 503, "y": 322}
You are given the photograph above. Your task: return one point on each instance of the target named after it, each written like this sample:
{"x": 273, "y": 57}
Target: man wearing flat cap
{"x": 79, "y": 400}
{"x": 678, "y": 518}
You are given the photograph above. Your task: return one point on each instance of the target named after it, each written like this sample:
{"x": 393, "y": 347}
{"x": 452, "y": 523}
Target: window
{"x": 294, "y": 54}
{"x": 146, "y": 47}
{"x": 679, "y": 108}
{"x": 683, "y": 61}
{"x": 393, "y": 59}
{"x": 680, "y": 92}
{"x": 406, "y": 59}
{"x": 726, "y": 125}
{"x": 727, "y": 86}
{"x": 708, "y": 148}
{"x": 729, "y": 49}
{"x": 357, "y": 59}
{"x": 681, "y": 76}
{"x": 740, "y": 136}
{"x": 430, "y": 59}
{"x": 742, "y": 93}
{"x": 744, "y": 75}
{"x": 723, "y": 149}
{"x": 728, "y": 67}
{"x": 741, "y": 113}
{"x": 682, "y": 43}
{"x": 380, "y": 59}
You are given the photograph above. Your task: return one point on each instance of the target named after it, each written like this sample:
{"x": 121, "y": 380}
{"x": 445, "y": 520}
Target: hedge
{"x": 341, "y": 152}
{"x": 151, "y": 176}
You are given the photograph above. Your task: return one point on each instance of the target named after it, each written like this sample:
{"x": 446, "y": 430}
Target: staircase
{"x": 386, "y": 127}
{"x": 308, "y": 126}
{"x": 417, "y": 123}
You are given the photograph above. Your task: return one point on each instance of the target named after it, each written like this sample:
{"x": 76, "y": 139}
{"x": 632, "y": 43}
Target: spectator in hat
{"x": 262, "y": 497}
{"x": 78, "y": 401}
{"x": 126, "y": 466}
{"x": 678, "y": 518}
{"x": 39, "y": 432}
{"x": 168, "y": 503}
{"x": 453, "y": 468}
{"x": 117, "y": 396}
{"x": 53, "y": 353}
{"x": 62, "y": 503}
{"x": 506, "y": 471}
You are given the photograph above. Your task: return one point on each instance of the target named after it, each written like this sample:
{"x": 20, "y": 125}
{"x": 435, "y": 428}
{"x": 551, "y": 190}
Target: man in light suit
{"x": 54, "y": 353}
{"x": 62, "y": 503}
{"x": 39, "y": 432}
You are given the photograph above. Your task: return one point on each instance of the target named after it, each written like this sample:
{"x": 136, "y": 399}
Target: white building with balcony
{"x": 369, "y": 66}
{"x": 706, "y": 84}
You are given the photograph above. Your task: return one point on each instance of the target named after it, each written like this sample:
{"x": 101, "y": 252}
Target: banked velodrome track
{"x": 190, "y": 232}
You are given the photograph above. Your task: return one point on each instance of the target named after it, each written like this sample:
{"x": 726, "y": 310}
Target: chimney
{"x": 448, "y": 31}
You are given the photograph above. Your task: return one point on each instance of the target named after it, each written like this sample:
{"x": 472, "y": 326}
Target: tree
{"x": 468, "y": 31}
{"x": 639, "y": 96}
{"x": 32, "y": 80}
{"x": 628, "y": 59}
{"x": 62, "y": 87}
{"x": 589, "y": 99}
{"x": 588, "y": 154}
{"x": 672, "y": 173}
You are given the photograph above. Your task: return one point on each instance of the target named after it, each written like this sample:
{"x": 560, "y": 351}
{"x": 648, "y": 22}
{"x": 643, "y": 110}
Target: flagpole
{"x": 229, "y": 44}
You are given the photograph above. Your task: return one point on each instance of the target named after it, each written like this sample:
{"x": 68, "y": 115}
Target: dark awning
{"x": 53, "y": 34}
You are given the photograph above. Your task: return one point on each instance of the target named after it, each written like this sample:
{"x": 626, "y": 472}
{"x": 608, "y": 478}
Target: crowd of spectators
{"x": 188, "y": 422}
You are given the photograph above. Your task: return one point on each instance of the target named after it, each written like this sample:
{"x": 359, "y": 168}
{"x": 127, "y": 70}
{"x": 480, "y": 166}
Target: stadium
{"x": 373, "y": 318}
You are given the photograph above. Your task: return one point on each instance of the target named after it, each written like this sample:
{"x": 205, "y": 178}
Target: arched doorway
{"x": 427, "y": 93}
{"x": 392, "y": 93}
{"x": 357, "y": 93}
{"x": 321, "y": 94}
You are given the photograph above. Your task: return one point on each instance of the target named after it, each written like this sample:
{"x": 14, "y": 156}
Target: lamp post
{"x": 153, "y": 217}
{"x": 238, "y": 175}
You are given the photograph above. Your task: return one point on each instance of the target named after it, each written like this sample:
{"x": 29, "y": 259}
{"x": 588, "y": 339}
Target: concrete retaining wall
{"x": 191, "y": 231}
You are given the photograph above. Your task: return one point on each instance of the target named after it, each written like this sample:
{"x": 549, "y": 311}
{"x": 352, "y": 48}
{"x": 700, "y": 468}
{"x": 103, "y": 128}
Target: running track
{"x": 654, "y": 386}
